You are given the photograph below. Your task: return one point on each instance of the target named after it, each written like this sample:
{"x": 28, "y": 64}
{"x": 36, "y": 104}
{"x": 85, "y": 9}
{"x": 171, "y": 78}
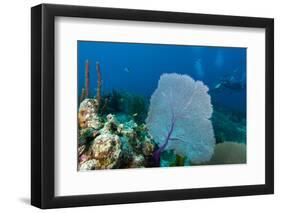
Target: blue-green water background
{"x": 136, "y": 68}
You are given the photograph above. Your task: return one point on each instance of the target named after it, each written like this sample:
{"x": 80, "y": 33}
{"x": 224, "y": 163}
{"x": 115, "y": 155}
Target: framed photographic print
{"x": 139, "y": 106}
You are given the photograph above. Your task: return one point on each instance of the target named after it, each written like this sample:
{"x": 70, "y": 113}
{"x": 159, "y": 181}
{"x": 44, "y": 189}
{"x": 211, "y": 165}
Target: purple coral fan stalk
{"x": 157, "y": 153}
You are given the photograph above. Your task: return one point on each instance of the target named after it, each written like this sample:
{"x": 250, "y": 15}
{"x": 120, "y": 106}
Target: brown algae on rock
{"x": 88, "y": 115}
{"x": 106, "y": 150}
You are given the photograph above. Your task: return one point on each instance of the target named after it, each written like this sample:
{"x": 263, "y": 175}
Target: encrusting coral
{"x": 105, "y": 143}
{"x": 106, "y": 150}
{"x": 88, "y": 116}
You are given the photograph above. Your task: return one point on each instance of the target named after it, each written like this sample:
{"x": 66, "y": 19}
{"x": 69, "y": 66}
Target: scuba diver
{"x": 231, "y": 83}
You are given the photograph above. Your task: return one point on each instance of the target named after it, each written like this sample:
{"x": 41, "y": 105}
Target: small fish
{"x": 126, "y": 69}
{"x": 136, "y": 114}
{"x": 218, "y": 86}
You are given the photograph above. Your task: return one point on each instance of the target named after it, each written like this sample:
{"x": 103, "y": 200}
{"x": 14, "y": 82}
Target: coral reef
{"x": 168, "y": 158}
{"x": 106, "y": 143}
{"x": 133, "y": 105}
{"x": 122, "y": 130}
{"x": 106, "y": 150}
{"x": 138, "y": 161}
{"x": 183, "y": 127}
{"x": 88, "y": 165}
{"x": 229, "y": 125}
{"x": 87, "y": 115}
{"x": 105, "y": 105}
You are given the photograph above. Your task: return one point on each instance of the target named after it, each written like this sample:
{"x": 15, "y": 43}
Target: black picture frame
{"x": 43, "y": 102}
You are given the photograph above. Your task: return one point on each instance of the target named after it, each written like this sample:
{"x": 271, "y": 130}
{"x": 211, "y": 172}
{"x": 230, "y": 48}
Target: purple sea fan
{"x": 178, "y": 118}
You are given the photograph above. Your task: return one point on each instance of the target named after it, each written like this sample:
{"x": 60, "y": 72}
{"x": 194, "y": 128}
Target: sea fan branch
{"x": 181, "y": 107}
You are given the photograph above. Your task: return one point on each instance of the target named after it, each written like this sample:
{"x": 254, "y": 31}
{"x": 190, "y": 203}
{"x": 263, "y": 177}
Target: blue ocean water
{"x": 136, "y": 68}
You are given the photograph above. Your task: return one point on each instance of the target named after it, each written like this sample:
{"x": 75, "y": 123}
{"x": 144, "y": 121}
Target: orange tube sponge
{"x": 98, "y": 96}
{"x": 87, "y": 79}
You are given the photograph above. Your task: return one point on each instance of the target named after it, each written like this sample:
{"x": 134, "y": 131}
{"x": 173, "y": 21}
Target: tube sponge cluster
{"x": 179, "y": 117}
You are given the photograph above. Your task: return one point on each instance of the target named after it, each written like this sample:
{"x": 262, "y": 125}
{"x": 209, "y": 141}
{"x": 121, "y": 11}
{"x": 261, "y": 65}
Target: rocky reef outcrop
{"x": 107, "y": 143}
{"x": 88, "y": 114}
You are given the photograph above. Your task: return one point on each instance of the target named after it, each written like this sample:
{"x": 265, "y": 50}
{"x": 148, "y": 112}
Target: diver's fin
{"x": 218, "y": 86}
